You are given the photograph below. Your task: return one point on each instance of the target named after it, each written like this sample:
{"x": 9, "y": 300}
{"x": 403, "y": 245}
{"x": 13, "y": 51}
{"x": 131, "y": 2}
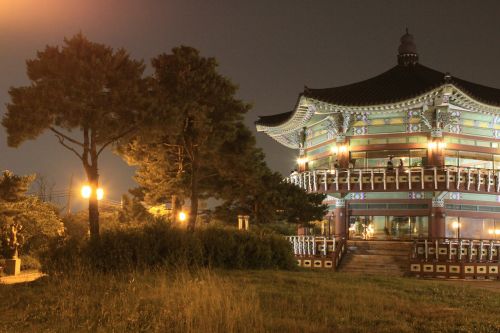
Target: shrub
{"x": 159, "y": 245}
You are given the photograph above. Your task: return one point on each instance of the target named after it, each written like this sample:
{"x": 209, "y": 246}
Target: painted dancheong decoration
{"x": 411, "y": 154}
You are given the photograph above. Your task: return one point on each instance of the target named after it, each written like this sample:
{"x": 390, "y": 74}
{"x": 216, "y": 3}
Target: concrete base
{"x": 12, "y": 266}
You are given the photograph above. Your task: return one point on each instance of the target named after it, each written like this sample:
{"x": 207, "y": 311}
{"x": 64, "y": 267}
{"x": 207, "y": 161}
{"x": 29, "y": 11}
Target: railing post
{"x": 360, "y": 180}
{"x": 385, "y": 179}
{"x": 325, "y": 246}
{"x": 315, "y": 181}
{"x": 349, "y": 179}
{"x": 481, "y": 250}
{"x": 447, "y": 178}
{"x": 498, "y": 181}
{"x": 409, "y": 178}
{"x": 313, "y": 245}
{"x": 436, "y": 249}
{"x": 458, "y": 179}
{"x": 426, "y": 249}
{"x": 337, "y": 179}
{"x": 397, "y": 178}
{"x": 309, "y": 181}
{"x": 489, "y": 181}
{"x": 471, "y": 245}
{"x": 422, "y": 178}
{"x": 468, "y": 179}
{"x": 460, "y": 247}
{"x": 372, "y": 180}
{"x": 478, "y": 180}
{"x": 490, "y": 253}
{"x": 326, "y": 180}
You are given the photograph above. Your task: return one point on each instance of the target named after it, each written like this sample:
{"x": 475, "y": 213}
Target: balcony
{"x": 443, "y": 178}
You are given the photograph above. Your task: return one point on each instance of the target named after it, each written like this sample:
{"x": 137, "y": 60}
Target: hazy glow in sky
{"x": 271, "y": 49}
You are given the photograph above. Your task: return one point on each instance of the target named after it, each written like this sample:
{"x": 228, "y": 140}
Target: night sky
{"x": 271, "y": 49}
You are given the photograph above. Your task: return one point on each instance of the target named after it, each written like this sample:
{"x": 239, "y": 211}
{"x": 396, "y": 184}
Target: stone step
{"x": 376, "y": 258}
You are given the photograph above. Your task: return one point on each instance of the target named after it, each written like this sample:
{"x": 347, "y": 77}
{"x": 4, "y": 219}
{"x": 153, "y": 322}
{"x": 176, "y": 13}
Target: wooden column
{"x": 340, "y": 218}
{"x": 435, "y": 148}
{"x": 342, "y": 149}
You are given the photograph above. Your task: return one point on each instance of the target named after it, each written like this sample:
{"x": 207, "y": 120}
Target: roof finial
{"x": 407, "y": 51}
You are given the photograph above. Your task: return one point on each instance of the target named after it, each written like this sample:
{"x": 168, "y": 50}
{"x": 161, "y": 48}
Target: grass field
{"x": 247, "y": 301}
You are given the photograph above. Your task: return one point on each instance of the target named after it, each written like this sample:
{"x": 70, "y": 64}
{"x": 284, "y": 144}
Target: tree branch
{"x": 113, "y": 139}
{"x": 61, "y": 141}
{"x": 60, "y": 134}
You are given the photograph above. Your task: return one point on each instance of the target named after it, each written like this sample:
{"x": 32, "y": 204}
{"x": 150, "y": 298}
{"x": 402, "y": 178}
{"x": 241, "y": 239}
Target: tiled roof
{"x": 275, "y": 119}
{"x": 399, "y": 83}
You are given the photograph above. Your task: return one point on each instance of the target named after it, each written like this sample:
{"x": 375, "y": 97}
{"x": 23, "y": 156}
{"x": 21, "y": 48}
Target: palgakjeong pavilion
{"x": 410, "y": 154}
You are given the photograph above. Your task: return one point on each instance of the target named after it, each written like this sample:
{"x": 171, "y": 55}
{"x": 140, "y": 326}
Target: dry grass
{"x": 246, "y": 301}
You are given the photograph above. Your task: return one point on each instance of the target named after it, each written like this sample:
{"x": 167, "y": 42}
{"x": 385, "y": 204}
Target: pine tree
{"x": 85, "y": 93}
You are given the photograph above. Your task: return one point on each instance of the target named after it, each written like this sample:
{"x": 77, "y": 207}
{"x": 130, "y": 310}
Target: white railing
{"x": 412, "y": 178}
{"x": 453, "y": 249}
{"x": 313, "y": 245}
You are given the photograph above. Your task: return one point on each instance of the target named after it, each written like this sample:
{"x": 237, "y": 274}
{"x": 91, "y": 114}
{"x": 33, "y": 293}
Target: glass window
{"x": 466, "y": 227}
{"x": 471, "y": 159}
{"x": 379, "y": 158}
{"x": 359, "y": 159}
{"x": 496, "y": 162}
{"x": 320, "y": 164}
{"x": 418, "y": 157}
{"x": 388, "y": 227}
{"x": 451, "y": 157}
{"x": 452, "y": 227}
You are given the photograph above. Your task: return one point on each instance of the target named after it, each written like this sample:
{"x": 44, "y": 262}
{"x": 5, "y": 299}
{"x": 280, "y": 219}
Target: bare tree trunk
{"x": 194, "y": 191}
{"x": 175, "y": 208}
{"x": 93, "y": 179}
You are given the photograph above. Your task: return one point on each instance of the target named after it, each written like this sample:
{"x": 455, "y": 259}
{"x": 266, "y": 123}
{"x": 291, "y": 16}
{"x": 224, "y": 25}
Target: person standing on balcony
{"x": 390, "y": 165}
{"x": 401, "y": 165}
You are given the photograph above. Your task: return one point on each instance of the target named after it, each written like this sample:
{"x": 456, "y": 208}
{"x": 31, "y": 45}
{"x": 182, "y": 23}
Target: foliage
{"x": 160, "y": 245}
{"x": 195, "y": 115}
{"x": 39, "y": 220}
{"x": 267, "y": 199}
{"x": 13, "y": 188}
{"x": 83, "y": 88}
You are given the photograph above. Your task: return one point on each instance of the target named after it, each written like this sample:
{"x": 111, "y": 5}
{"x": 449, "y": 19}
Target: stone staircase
{"x": 376, "y": 258}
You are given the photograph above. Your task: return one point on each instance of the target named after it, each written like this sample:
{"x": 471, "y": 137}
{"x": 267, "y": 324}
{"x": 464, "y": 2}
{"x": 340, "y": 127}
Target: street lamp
{"x": 182, "y": 216}
{"x": 87, "y": 192}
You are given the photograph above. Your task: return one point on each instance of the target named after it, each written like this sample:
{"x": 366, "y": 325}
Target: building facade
{"x": 412, "y": 153}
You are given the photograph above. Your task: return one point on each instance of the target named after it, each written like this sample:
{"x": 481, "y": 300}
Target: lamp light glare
{"x": 432, "y": 145}
{"x": 100, "y": 193}
{"x": 302, "y": 160}
{"x": 182, "y": 216}
{"x": 442, "y": 145}
{"x": 343, "y": 149}
{"x": 335, "y": 150}
{"x": 86, "y": 191}
{"x": 455, "y": 225}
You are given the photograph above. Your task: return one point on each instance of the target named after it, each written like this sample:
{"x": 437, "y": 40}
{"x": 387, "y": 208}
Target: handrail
{"x": 318, "y": 179}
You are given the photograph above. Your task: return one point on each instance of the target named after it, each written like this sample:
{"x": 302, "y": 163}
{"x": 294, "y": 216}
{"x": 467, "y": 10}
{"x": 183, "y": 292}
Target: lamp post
{"x": 243, "y": 222}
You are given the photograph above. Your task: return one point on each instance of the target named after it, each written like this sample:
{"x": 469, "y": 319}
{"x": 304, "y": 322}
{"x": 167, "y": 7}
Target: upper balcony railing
{"x": 431, "y": 178}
